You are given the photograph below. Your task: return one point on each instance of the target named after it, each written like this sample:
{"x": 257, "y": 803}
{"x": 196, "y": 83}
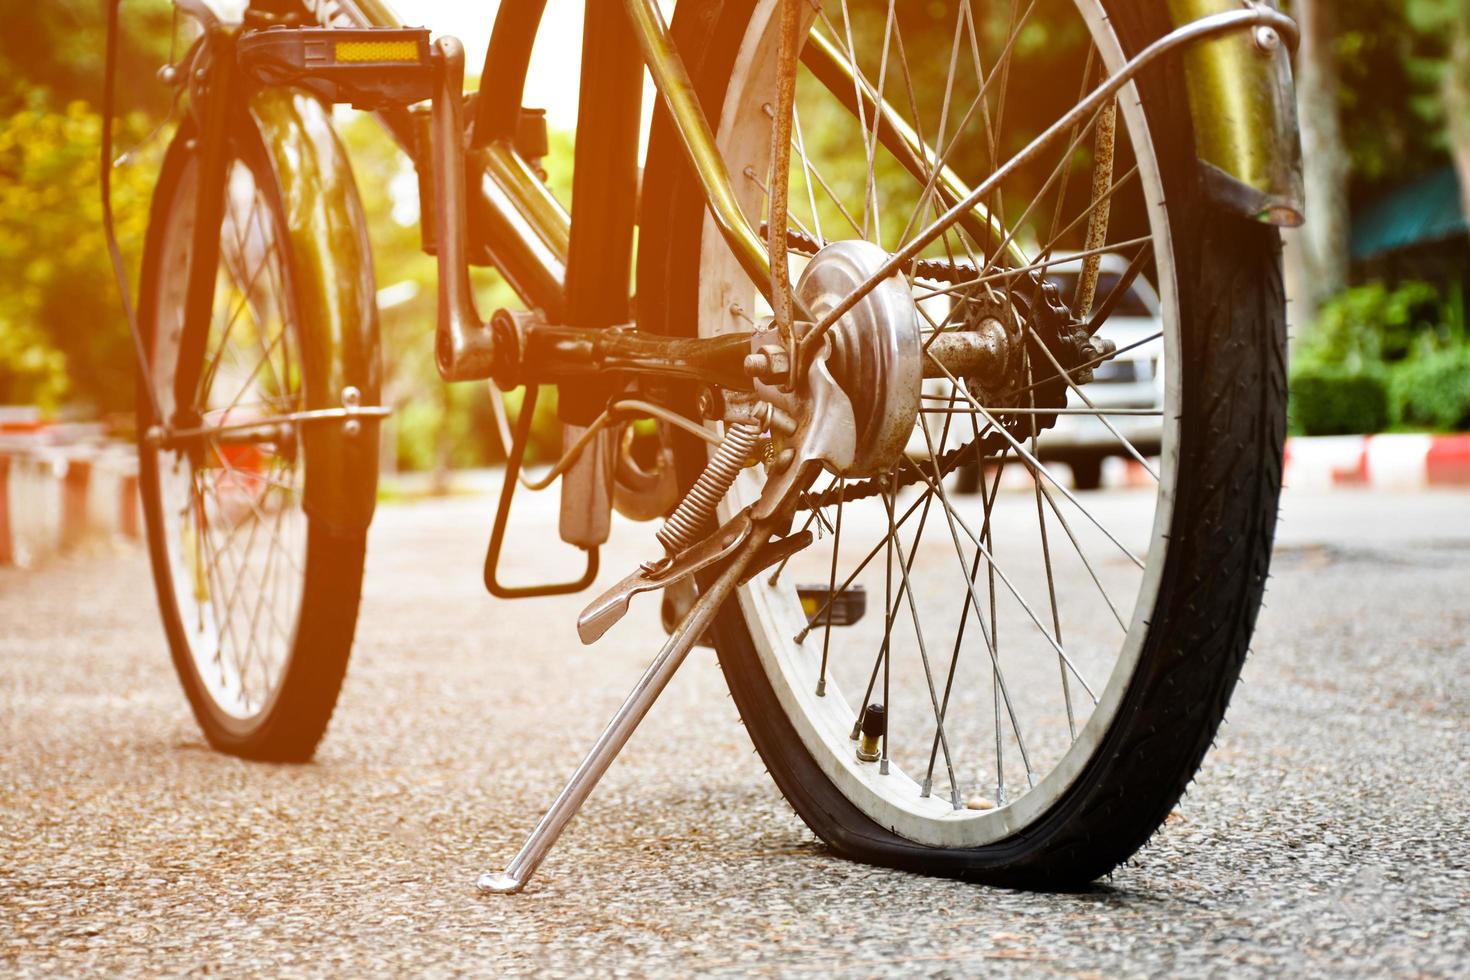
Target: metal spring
{"x": 689, "y": 521}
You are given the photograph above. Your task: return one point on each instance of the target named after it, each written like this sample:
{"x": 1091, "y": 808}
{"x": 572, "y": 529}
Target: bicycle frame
{"x": 577, "y": 273}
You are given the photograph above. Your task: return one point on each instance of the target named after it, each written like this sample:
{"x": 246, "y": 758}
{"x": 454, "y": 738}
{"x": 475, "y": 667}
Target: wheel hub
{"x": 876, "y": 357}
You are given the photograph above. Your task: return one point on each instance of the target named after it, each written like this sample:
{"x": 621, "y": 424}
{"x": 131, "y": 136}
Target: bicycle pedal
{"x": 847, "y": 606}
{"x": 368, "y": 68}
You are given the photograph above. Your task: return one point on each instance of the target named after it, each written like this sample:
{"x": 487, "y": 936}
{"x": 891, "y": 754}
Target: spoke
{"x": 908, "y": 592}
{"x": 269, "y": 576}
{"x": 1095, "y": 203}
{"x": 872, "y": 135}
{"x": 1119, "y": 291}
{"x": 832, "y": 195}
{"x": 1093, "y": 362}
{"x": 239, "y": 566}
{"x": 223, "y": 623}
{"x": 754, "y": 178}
{"x": 831, "y": 586}
{"x": 213, "y": 367}
{"x": 1081, "y": 132}
{"x": 1051, "y": 585}
{"x": 254, "y": 507}
{"x": 1100, "y": 415}
{"x": 1077, "y": 545}
{"x": 857, "y": 82}
{"x": 847, "y": 582}
{"x": 1036, "y": 464}
{"x": 955, "y": 519}
{"x": 990, "y": 636}
{"x": 249, "y": 378}
{"x": 887, "y": 628}
{"x": 954, "y": 659}
{"x": 806, "y": 169}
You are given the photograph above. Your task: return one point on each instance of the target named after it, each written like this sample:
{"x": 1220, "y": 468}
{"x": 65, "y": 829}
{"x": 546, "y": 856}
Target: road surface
{"x": 1328, "y": 833}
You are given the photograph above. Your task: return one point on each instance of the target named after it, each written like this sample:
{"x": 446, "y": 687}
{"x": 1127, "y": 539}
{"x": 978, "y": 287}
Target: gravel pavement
{"x": 1328, "y": 833}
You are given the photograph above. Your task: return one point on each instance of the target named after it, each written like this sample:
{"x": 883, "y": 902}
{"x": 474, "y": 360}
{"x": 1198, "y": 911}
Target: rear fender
{"x": 1245, "y": 124}
{"x": 336, "y": 298}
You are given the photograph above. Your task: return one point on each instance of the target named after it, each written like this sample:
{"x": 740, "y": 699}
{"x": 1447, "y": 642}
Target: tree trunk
{"x": 1325, "y": 160}
{"x": 1456, "y": 93}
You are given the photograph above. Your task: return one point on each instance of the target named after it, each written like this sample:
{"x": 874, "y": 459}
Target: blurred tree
{"x": 437, "y": 426}
{"x": 62, "y": 334}
{"x": 1456, "y": 90}
{"x": 1325, "y": 156}
{"x": 52, "y": 54}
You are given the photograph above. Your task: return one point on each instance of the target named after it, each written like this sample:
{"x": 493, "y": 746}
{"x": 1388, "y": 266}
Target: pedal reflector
{"x": 394, "y": 51}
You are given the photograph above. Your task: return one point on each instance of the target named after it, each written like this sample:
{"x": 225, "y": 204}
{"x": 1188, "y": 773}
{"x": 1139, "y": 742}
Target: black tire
{"x": 294, "y": 716}
{"x": 1231, "y": 440}
{"x": 1086, "y": 471}
{"x": 967, "y": 478}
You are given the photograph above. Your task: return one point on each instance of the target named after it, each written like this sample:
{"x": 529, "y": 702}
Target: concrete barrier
{"x": 63, "y": 488}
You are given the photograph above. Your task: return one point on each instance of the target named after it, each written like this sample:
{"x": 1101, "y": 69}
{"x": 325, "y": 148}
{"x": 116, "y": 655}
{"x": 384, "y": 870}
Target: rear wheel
{"x": 1051, "y": 670}
{"x": 259, "y": 600}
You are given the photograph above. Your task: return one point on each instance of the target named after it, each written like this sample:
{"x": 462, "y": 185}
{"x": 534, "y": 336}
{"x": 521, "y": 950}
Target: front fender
{"x": 1245, "y": 125}
{"x": 336, "y": 300}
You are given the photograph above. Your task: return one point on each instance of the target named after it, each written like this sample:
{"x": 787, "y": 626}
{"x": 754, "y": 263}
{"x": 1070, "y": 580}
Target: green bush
{"x": 1433, "y": 390}
{"x": 1329, "y": 400}
{"x": 1366, "y": 325}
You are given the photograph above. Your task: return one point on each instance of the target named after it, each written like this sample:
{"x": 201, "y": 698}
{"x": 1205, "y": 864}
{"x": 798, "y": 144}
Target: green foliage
{"x": 1391, "y": 56}
{"x": 1330, "y": 400}
{"x": 1379, "y": 356}
{"x": 1370, "y": 324}
{"x": 62, "y": 333}
{"x": 1433, "y": 391}
{"x": 52, "y": 54}
{"x": 436, "y": 425}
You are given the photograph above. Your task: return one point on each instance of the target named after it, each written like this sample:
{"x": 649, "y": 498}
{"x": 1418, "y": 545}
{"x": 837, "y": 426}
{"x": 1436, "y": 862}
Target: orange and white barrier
{"x": 63, "y": 488}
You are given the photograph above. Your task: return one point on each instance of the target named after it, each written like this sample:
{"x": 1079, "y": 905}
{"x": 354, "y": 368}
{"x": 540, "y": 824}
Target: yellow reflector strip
{"x": 377, "y": 51}
{"x": 809, "y": 606}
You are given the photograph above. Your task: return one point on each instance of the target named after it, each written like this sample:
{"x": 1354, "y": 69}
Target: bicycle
{"x": 828, "y": 322}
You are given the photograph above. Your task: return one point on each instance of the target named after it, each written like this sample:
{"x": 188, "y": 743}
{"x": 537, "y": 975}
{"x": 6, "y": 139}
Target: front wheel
{"x": 259, "y": 599}
{"x": 1038, "y": 675}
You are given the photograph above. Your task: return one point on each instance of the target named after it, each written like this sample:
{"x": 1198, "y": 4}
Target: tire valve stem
{"x": 874, "y": 724}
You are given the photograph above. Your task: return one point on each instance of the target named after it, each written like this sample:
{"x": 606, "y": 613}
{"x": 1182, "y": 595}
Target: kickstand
{"x": 616, "y": 735}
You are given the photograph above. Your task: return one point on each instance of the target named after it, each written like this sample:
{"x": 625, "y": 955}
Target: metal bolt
{"x": 711, "y": 404}
{"x": 768, "y": 364}
{"x": 169, "y": 74}
{"x": 781, "y": 422}
{"x": 351, "y": 397}
{"x": 1267, "y": 40}
{"x": 351, "y": 428}
{"x": 656, "y": 565}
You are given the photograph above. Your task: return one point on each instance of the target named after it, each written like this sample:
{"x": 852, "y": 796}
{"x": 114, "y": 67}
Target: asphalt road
{"x": 1328, "y": 833}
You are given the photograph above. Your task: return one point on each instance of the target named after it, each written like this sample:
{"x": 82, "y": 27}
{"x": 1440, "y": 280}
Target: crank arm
{"x": 607, "y": 609}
